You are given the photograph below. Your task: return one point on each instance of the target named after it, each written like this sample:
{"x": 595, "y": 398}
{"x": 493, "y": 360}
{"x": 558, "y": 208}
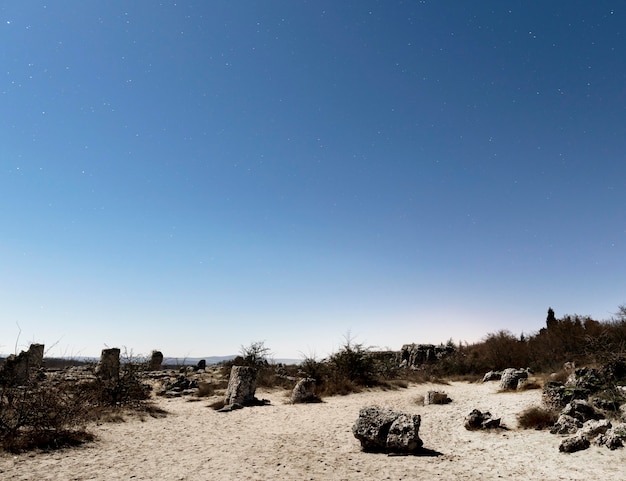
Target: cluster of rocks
{"x": 179, "y": 386}
{"x": 510, "y": 378}
{"x": 583, "y": 402}
{"x": 584, "y": 425}
{"x": 385, "y": 430}
{"x": 414, "y": 355}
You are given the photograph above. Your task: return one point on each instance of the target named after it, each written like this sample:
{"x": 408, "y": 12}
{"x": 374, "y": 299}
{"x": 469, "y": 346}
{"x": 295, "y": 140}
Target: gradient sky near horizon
{"x": 193, "y": 176}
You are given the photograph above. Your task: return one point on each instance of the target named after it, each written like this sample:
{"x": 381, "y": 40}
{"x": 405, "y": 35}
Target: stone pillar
{"x": 304, "y": 392}
{"x": 156, "y": 360}
{"x": 35, "y": 356}
{"x": 109, "y": 366}
{"x": 241, "y": 386}
{"x": 18, "y": 369}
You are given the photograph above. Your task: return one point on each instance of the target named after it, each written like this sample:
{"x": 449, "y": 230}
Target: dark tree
{"x": 551, "y": 321}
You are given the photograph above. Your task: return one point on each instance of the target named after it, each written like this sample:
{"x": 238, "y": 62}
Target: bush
{"x": 42, "y": 416}
{"x": 537, "y": 418}
{"x": 50, "y": 412}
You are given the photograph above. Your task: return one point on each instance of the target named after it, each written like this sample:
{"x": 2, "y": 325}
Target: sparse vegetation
{"x": 536, "y": 417}
{"x": 50, "y": 412}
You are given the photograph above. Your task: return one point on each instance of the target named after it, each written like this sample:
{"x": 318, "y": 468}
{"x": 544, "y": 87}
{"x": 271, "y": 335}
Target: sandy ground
{"x": 315, "y": 442}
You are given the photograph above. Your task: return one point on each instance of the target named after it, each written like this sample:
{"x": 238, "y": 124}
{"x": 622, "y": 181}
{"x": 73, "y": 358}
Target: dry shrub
{"x": 536, "y": 417}
{"x": 42, "y": 416}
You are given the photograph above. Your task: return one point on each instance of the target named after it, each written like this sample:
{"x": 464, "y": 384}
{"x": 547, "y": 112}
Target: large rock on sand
{"x": 241, "y": 386}
{"x": 511, "y": 378}
{"x": 381, "y": 429}
{"x": 304, "y": 391}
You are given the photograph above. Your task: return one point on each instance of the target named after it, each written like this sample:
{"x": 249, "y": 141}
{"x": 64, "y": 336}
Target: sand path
{"x": 315, "y": 442}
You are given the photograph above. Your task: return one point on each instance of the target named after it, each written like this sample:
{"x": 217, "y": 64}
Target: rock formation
{"x": 436, "y": 397}
{"x": 304, "y": 391}
{"x": 478, "y": 420}
{"x": 156, "y": 361}
{"x": 241, "y": 387}
{"x": 384, "y": 430}
{"x": 18, "y": 369}
{"x": 512, "y": 378}
{"x": 109, "y": 366}
{"x": 414, "y": 355}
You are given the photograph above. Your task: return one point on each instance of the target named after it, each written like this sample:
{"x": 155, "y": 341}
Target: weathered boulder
{"x": 436, "y": 397}
{"x": 478, "y": 420}
{"x": 566, "y": 425}
{"x": 555, "y": 395}
{"x": 587, "y": 379}
{"x": 511, "y": 378}
{"x": 241, "y": 386}
{"x": 201, "y": 365}
{"x": 18, "y": 369}
{"x": 386, "y": 430}
{"x": 593, "y": 428}
{"x": 492, "y": 376}
{"x": 581, "y": 410}
{"x": 304, "y": 391}
{"x": 156, "y": 360}
{"x": 35, "y": 356}
{"x": 109, "y": 366}
{"x": 613, "y": 438}
{"x": 573, "y": 444}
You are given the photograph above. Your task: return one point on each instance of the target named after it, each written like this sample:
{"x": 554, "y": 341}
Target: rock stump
{"x": 241, "y": 386}
{"x": 109, "y": 366}
{"x": 381, "y": 429}
{"x": 156, "y": 361}
{"x": 304, "y": 392}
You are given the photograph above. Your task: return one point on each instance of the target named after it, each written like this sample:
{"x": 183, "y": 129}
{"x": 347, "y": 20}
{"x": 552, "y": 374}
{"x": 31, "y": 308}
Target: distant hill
{"x": 167, "y": 361}
{"x": 210, "y": 360}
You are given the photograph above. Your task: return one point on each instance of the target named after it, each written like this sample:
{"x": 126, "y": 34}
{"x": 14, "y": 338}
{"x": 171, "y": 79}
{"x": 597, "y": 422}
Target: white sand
{"x": 315, "y": 442}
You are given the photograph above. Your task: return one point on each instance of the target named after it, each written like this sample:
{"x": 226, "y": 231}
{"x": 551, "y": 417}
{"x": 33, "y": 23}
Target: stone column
{"x": 156, "y": 359}
{"x": 35, "y": 356}
{"x": 241, "y": 386}
{"x": 109, "y": 366}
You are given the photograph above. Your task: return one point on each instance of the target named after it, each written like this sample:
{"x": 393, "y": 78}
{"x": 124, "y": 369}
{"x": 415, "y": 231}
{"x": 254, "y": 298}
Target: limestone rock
{"x": 436, "y": 397}
{"x": 581, "y": 410}
{"x": 156, "y": 360}
{"x": 18, "y": 369}
{"x": 386, "y": 430}
{"x": 304, "y": 391}
{"x": 414, "y": 355}
{"x": 566, "y": 425}
{"x": 593, "y": 428}
{"x": 492, "y": 376}
{"x": 241, "y": 386}
{"x": 511, "y": 377}
{"x": 478, "y": 420}
{"x": 613, "y": 438}
{"x": 109, "y": 366}
{"x": 573, "y": 444}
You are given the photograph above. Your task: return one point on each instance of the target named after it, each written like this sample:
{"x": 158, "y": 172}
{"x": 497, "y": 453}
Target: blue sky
{"x": 193, "y": 176}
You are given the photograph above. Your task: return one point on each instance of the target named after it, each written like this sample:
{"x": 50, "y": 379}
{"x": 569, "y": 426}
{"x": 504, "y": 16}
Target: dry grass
{"x": 536, "y": 417}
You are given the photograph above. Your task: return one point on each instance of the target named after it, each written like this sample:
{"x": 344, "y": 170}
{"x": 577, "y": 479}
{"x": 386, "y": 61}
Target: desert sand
{"x": 315, "y": 442}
